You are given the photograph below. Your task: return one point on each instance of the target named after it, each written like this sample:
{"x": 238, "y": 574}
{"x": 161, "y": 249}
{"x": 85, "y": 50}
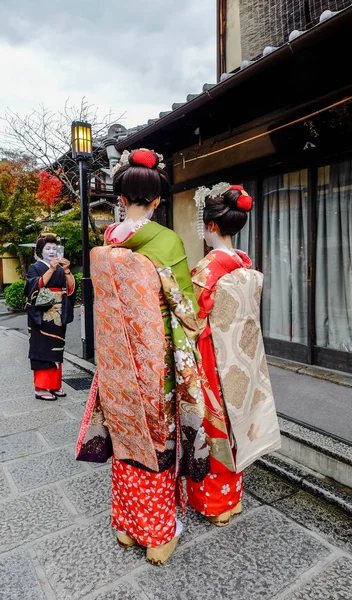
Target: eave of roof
{"x": 299, "y": 44}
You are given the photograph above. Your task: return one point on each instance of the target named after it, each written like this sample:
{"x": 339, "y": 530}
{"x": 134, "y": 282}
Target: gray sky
{"x": 133, "y": 56}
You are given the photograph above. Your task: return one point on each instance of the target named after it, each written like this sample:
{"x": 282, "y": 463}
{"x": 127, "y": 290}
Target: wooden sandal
{"x": 225, "y": 518}
{"x": 237, "y": 510}
{"x": 159, "y": 555}
{"x": 45, "y": 396}
{"x": 59, "y": 393}
{"x": 124, "y": 540}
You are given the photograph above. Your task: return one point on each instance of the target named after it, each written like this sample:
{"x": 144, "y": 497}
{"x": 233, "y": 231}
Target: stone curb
{"x": 24, "y": 336}
{"x": 321, "y": 442}
{"x": 343, "y": 379}
{"x": 83, "y": 364}
{"x": 296, "y": 475}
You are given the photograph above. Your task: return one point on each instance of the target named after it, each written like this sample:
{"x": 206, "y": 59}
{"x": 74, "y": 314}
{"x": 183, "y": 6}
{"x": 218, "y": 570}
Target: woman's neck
{"x": 136, "y": 212}
{"x": 227, "y": 241}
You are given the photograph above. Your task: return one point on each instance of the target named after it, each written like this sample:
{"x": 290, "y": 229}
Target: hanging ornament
{"x": 199, "y": 198}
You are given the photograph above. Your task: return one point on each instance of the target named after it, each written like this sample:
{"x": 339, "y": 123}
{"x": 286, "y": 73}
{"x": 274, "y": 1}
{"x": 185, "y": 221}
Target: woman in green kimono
{"x": 149, "y": 386}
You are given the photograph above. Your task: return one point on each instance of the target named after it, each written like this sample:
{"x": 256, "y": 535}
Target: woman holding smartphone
{"x": 47, "y": 327}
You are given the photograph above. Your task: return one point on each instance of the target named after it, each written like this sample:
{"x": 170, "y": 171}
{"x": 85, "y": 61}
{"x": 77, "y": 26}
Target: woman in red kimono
{"x": 240, "y": 417}
{"x": 149, "y": 385}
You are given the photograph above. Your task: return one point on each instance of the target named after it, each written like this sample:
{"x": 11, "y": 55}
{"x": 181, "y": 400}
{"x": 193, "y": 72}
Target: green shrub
{"x": 14, "y": 295}
{"x": 78, "y": 277}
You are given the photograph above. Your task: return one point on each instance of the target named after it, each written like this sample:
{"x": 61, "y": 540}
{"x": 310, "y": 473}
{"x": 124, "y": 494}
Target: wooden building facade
{"x": 282, "y": 127}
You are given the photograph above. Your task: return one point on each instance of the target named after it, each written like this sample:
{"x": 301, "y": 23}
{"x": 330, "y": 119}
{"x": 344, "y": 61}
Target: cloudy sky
{"x": 133, "y": 56}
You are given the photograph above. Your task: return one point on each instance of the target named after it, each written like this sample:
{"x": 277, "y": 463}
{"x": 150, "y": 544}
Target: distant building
{"x": 8, "y": 272}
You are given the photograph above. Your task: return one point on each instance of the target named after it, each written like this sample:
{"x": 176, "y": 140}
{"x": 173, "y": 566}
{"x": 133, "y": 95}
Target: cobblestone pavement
{"x": 319, "y": 403}
{"x": 55, "y": 535}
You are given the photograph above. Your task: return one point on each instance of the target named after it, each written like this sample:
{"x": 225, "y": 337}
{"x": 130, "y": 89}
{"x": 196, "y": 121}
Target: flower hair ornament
{"x": 199, "y": 198}
{"x": 244, "y": 201}
{"x": 143, "y": 157}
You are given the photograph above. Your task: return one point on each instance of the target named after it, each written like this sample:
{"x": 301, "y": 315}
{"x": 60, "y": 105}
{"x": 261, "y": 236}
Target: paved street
{"x": 316, "y": 402}
{"x": 56, "y": 541}
{"x": 19, "y": 321}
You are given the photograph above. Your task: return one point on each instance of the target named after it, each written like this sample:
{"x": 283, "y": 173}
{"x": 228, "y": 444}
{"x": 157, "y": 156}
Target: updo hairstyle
{"x": 142, "y": 180}
{"x": 42, "y": 240}
{"x": 225, "y": 212}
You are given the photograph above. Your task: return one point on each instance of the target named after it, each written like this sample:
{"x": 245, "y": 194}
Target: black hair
{"x": 42, "y": 240}
{"x": 223, "y": 211}
{"x": 141, "y": 184}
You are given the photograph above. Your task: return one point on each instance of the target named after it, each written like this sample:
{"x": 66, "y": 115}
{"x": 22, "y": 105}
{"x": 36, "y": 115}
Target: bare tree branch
{"x": 45, "y": 137}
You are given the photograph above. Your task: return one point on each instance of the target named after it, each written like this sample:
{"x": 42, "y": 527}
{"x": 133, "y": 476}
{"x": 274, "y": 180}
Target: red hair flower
{"x": 245, "y": 201}
{"x": 145, "y": 158}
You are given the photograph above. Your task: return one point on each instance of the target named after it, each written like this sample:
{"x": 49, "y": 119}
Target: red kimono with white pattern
{"x": 222, "y": 488}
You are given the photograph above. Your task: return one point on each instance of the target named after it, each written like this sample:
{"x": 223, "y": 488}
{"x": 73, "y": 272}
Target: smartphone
{"x": 59, "y": 251}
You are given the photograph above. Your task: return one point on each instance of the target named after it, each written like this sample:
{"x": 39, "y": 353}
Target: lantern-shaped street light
{"x": 82, "y": 152}
{"x": 81, "y": 140}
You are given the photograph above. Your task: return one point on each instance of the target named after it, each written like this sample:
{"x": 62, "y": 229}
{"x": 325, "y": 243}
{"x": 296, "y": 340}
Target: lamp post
{"x": 82, "y": 152}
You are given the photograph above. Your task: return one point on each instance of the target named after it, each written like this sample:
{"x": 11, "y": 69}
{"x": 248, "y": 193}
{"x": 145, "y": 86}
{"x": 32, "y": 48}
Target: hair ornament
{"x": 145, "y": 156}
{"x": 199, "y": 198}
{"x": 44, "y": 233}
{"x": 245, "y": 201}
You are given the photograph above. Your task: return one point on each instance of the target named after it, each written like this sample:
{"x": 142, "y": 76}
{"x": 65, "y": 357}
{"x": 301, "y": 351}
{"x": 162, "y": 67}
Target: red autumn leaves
{"x": 49, "y": 189}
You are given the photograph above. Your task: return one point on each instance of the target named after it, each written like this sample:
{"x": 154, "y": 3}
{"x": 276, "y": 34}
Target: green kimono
{"x": 179, "y": 308}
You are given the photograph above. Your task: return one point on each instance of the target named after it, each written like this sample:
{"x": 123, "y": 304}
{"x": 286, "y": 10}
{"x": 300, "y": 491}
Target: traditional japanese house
{"x": 281, "y": 124}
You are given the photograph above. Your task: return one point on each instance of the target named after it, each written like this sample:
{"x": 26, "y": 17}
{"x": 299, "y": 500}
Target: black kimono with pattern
{"x": 47, "y": 328}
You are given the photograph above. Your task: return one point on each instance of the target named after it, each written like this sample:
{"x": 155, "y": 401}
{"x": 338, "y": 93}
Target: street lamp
{"x": 82, "y": 152}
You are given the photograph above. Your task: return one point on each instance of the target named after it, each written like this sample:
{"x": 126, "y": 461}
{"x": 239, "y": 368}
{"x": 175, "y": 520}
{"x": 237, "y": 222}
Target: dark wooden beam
{"x": 221, "y": 9}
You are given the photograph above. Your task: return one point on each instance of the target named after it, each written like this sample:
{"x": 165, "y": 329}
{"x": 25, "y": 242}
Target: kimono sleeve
{"x": 68, "y": 302}
{"x": 34, "y": 282}
{"x": 204, "y": 286}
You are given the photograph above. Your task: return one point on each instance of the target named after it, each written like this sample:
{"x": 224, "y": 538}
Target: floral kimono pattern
{"x": 149, "y": 385}
{"x": 166, "y": 255}
{"x": 241, "y": 419}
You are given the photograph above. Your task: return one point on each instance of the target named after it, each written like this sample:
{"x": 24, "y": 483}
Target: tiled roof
{"x": 123, "y": 136}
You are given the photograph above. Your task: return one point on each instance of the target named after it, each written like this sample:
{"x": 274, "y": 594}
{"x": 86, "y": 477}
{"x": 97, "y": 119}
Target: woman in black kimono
{"x": 47, "y": 327}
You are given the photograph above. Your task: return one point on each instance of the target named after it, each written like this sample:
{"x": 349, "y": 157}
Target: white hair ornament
{"x": 199, "y": 198}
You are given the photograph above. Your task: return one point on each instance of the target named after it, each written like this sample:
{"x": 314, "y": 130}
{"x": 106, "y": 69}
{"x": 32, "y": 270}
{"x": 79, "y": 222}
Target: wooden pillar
{"x": 221, "y": 10}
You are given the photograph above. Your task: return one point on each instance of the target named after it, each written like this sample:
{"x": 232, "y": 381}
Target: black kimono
{"x": 47, "y": 328}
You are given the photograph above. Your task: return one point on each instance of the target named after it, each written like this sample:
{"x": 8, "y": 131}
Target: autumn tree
{"x": 49, "y": 189}
{"x": 45, "y": 136}
{"x": 19, "y": 207}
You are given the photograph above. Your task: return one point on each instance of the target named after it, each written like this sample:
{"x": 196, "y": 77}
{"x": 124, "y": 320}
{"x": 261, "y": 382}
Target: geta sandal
{"x": 124, "y": 540}
{"x": 45, "y": 396}
{"x": 59, "y": 393}
{"x": 159, "y": 555}
{"x": 225, "y": 518}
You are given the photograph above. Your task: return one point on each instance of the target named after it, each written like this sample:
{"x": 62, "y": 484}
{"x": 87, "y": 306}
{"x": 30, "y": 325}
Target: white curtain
{"x": 334, "y": 257}
{"x": 285, "y": 257}
{"x": 245, "y": 239}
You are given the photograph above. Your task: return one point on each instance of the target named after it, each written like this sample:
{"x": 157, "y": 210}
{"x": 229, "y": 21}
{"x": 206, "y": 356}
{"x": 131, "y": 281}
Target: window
{"x": 333, "y": 305}
{"x": 285, "y": 257}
